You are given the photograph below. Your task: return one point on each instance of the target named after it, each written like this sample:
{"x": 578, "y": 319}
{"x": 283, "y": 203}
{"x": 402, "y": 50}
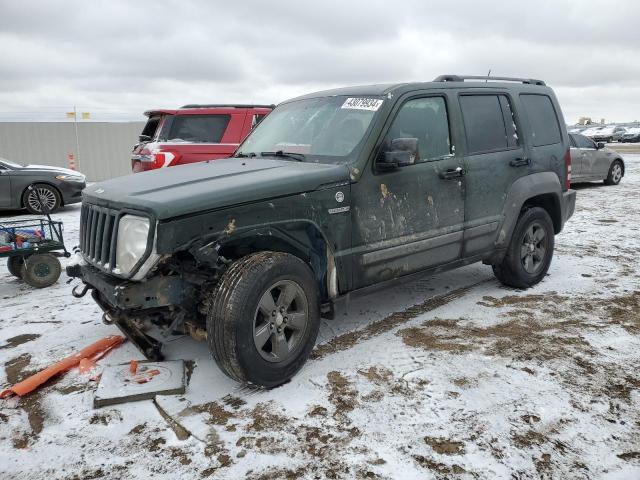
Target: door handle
{"x": 519, "y": 162}
{"x": 453, "y": 173}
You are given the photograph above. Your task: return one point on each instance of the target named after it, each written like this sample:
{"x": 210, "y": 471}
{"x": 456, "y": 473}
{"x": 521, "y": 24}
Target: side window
{"x": 489, "y": 123}
{"x": 545, "y": 128}
{"x": 256, "y": 119}
{"x": 199, "y": 128}
{"x": 583, "y": 142}
{"x": 426, "y": 120}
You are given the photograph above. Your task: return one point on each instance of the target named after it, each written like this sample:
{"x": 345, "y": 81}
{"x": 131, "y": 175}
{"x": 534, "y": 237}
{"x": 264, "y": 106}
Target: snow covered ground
{"x": 451, "y": 376}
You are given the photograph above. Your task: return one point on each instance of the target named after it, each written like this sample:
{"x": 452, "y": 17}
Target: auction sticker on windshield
{"x": 372, "y": 104}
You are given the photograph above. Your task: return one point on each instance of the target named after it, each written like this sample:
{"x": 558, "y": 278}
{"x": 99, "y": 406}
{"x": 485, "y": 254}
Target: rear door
{"x": 495, "y": 157}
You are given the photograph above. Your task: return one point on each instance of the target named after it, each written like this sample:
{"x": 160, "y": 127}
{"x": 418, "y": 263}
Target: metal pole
{"x": 75, "y": 124}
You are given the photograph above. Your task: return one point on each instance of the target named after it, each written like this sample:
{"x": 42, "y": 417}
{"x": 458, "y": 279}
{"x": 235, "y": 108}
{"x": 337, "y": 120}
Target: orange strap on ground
{"x": 94, "y": 351}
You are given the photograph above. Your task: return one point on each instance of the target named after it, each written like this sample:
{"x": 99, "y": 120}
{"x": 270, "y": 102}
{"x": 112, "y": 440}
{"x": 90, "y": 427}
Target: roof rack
{"x": 220, "y": 105}
{"x": 462, "y": 78}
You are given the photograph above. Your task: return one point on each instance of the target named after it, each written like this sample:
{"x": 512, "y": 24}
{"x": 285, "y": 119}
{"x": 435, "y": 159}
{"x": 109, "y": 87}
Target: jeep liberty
{"x": 333, "y": 193}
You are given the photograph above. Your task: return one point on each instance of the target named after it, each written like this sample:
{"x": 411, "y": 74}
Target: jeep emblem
{"x": 339, "y": 197}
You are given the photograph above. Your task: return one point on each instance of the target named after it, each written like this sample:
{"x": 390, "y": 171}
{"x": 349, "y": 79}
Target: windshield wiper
{"x": 244, "y": 155}
{"x": 296, "y": 156}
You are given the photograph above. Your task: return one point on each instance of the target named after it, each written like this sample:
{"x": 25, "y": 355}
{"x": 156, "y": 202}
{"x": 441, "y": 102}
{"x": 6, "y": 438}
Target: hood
{"x": 49, "y": 168}
{"x": 186, "y": 189}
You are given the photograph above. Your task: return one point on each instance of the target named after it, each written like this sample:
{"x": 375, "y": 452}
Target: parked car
{"x": 632, "y": 135}
{"x": 618, "y": 133}
{"x": 592, "y": 161}
{"x": 194, "y": 133}
{"x": 608, "y": 134}
{"x": 333, "y": 194}
{"x": 55, "y": 186}
{"x": 590, "y": 132}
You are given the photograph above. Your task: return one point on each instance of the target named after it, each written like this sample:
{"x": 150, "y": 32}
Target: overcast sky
{"x": 121, "y": 57}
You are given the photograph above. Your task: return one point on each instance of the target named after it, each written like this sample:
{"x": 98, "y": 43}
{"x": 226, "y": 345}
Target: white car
{"x": 590, "y": 132}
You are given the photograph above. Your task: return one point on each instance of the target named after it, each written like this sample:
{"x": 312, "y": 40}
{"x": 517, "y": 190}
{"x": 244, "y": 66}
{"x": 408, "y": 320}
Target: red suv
{"x": 194, "y": 133}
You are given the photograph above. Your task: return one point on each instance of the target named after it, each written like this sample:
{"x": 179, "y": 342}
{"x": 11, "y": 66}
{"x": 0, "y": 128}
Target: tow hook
{"x": 85, "y": 289}
{"x": 107, "y": 319}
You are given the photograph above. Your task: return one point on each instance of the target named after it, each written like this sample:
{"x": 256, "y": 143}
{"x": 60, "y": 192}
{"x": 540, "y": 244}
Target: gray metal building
{"x": 104, "y": 147}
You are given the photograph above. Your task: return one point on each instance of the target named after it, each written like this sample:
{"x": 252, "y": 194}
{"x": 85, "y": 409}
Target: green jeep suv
{"x": 334, "y": 193}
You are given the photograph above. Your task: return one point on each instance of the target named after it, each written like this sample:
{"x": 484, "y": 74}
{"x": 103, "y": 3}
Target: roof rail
{"x": 462, "y": 78}
{"x": 220, "y": 105}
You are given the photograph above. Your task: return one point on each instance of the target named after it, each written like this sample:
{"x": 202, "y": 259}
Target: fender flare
{"x": 523, "y": 189}
{"x": 302, "y": 238}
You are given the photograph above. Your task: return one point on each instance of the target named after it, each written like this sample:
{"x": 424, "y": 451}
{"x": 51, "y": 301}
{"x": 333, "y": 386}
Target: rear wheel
{"x": 264, "y": 318}
{"x": 41, "y": 270}
{"x": 530, "y": 251}
{"x": 44, "y": 193}
{"x": 14, "y": 265}
{"x": 615, "y": 173}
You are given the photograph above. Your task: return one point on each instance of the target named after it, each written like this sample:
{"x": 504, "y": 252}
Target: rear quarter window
{"x": 545, "y": 128}
{"x": 198, "y": 128}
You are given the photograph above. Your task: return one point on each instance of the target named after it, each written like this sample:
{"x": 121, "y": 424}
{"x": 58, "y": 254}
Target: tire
{"x": 41, "y": 270}
{"x": 14, "y": 265}
{"x": 49, "y": 195}
{"x": 246, "y": 340}
{"x": 616, "y": 171}
{"x": 520, "y": 271}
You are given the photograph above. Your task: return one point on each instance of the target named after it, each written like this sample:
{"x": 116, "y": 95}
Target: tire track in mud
{"x": 349, "y": 339}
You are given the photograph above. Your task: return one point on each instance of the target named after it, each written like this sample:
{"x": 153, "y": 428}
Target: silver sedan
{"x": 591, "y": 161}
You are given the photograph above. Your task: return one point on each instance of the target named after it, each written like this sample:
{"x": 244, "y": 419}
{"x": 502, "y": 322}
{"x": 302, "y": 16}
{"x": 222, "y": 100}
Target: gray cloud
{"x": 125, "y": 57}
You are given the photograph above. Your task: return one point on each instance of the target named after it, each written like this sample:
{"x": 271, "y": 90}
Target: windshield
{"x": 10, "y": 164}
{"x": 327, "y": 129}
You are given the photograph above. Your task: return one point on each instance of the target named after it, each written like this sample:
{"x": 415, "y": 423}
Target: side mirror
{"x": 400, "y": 153}
{"x": 600, "y": 145}
{"x": 144, "y": 138}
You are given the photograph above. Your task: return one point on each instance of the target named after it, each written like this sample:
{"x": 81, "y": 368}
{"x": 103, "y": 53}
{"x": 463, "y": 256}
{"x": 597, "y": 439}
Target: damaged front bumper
{"x": 131, "y": 306}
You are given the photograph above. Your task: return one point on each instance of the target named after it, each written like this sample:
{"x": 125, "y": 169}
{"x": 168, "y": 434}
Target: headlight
{"x": 71, "y": 178}
{"x": 133, "y": 236}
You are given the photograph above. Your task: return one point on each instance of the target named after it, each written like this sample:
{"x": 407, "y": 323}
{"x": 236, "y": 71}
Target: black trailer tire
{"x": 14, "y": 265}
{"x": 616, "y": 172}
{"x": 263, "y": 319}
{"x": 530, "y": 250}
{"x": 50, "y": 196}
{"x": 41, "y": 270}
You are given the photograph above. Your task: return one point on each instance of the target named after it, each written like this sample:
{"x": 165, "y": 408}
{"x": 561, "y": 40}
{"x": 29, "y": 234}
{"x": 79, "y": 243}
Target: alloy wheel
{"x": 533, "y": 250}
{"x": 280, "y": 320}
{"x": 44, "y": 195}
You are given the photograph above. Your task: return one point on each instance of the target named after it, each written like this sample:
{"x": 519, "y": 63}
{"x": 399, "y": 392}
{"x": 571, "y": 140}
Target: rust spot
{"x": 384, "y": 190}
{"x": 430, "y": 200}
{"x": 231, "y": 227}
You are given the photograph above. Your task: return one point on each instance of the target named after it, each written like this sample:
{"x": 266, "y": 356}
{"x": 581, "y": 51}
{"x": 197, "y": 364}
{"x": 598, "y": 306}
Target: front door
{"x": 585, "y": 158}
{"x": 495, "y": 157}
{"x": 410, "y": 218}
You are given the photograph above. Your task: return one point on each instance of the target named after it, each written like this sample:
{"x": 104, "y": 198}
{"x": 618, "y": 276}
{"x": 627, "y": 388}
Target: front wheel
{"x": 615, "y": 173}
{"x": 264, "y": 318}
{"x": 530, "y": 251}
{"x": 41, "y": 199}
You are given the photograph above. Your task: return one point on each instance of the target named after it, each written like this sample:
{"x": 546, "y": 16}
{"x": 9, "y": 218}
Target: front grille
{"x": 98, "y": 235}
